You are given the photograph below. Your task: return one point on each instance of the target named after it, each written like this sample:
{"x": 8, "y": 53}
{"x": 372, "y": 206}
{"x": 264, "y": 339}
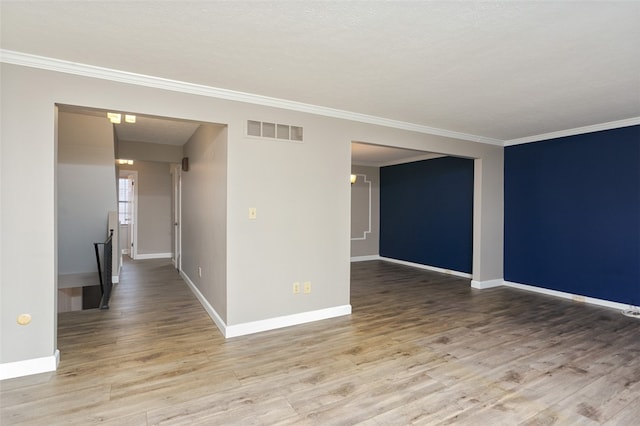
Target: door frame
{"x": 176, "y": 215}
{"x": 133, "y": 227}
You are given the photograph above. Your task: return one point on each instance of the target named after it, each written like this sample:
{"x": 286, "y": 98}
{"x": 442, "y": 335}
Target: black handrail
{"x": 106, "y": 275}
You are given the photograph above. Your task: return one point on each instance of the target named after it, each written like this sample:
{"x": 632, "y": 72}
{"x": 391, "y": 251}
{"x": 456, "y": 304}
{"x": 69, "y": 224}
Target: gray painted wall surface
{"x": 154, "y": 206}
{"x": 86, "y": 189}
{"x": 301, "y": 192}
{"x": 365, "y": 211}
{"x": 204, "y": 215}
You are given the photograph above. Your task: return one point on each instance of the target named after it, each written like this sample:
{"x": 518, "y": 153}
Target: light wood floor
{"x": 419, "y": 348}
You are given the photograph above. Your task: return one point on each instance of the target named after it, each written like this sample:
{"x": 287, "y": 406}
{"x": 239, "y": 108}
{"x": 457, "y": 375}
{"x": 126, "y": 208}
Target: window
{"x": 125, "y": 208}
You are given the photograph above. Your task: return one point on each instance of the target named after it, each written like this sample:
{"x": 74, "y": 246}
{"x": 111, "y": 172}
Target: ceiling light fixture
{"x": 130, "y": 118}
{"x": 353, "y": 179}
{"x": 114, "y": 117}
{"x": 124, "y": 161}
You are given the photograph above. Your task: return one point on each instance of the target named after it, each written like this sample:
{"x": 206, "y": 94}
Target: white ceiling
{"x": 156, "y": 130}
{"x": 501, "y": 70}
{"x": 364, "y": 154}
{"x": 149, "y": 129}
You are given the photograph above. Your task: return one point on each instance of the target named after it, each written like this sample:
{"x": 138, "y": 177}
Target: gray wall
{"x": 86, "y": 189}
{"x": 204, "y": 215}
{"x": 149, "y": 151}
{"x": 365, "y": 212}
{"x": 301, "y": 192}
{"x": 154, "y": 206}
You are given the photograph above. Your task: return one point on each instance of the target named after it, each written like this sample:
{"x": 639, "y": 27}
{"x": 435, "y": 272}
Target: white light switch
{"x": 253, "y": 212}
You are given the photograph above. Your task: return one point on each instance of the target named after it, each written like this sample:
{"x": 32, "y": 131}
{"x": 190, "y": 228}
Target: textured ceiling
{"x": 502, "y": 70}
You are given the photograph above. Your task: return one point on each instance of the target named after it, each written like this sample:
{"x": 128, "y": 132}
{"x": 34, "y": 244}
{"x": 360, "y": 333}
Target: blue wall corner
{"x": 426, "y": 212}
{"x": 572, "y": 214}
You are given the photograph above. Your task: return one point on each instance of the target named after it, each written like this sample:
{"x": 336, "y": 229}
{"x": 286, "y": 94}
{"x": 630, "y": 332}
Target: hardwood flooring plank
{"x": 419, "y": 348}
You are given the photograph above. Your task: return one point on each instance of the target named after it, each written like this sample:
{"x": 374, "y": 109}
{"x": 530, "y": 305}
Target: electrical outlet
{"x": 307, "y": 287}
{"x": 200, "y": 271}
{"x": 296, "y": 288}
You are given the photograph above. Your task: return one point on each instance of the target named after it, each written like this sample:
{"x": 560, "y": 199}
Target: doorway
{"x": 423, "y": 214}
{"x": 127, "y": 213}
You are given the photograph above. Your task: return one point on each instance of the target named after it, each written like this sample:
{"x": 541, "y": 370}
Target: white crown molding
{"x": 577, "y": 131}
{"x": 58, "y": 65}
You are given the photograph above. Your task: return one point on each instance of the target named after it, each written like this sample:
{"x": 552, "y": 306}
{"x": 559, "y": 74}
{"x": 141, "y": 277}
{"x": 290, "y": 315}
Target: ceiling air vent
{"x": 274, "y": 131}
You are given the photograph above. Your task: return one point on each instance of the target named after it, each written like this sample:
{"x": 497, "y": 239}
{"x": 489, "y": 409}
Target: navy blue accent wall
{"x": 572, "y": 214}
{"x": 426, "y": 212}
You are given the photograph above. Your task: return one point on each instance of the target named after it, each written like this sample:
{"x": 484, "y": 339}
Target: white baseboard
{"x": 570, "y": 296}
{"x": 365, "y": 258}
{"x": 205, "y": 304}
{"x": 481, "y": 285}
{"x": 10, "y": 370}
{"x": 427, "y": 267}
{"x": 267, "y": 324}
{"x": 286, "y": 321}
{"x": 154, "y": 256}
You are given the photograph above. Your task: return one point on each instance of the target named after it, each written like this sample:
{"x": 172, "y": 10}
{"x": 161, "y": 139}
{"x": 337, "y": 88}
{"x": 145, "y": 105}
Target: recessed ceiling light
{"x": 130, "y": 118}
{"x": 114, "y": 117}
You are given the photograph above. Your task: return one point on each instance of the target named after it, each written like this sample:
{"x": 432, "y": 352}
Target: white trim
{"x": 570, "y": 296}
{"x": 427, "y": 267}
{"x": 154, "y": 256}
{"x": 267, "y": 324}
{"x": 115, "y": 279}
{"x": 51, "y": 64}
{"x": 286, "y": 321}
{"x": 217, "y": 319}
{"x": 577, "y": 131}
{"x": 10, "y": 370}
{"x": 364, "y": 234}
{"x": 365, "y": 258}
{"x": 481, "y": 285}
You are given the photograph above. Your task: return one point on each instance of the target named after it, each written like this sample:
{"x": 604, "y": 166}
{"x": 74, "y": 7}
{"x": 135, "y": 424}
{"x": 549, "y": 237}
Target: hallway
{"x": 420, "y": 347}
